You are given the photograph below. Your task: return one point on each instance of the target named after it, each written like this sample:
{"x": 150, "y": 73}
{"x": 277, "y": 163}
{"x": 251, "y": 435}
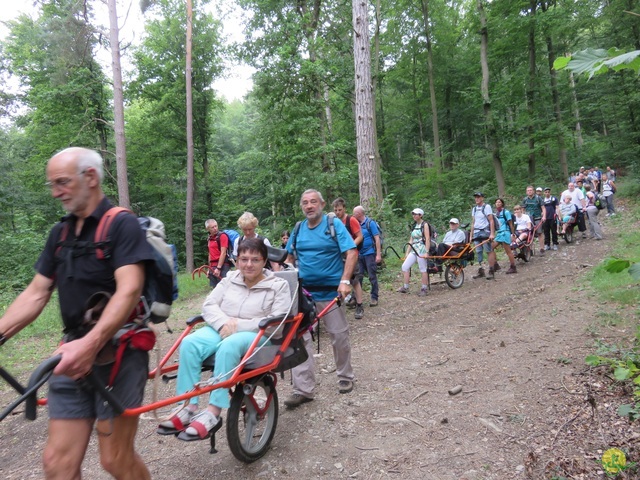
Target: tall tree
{"x": 188, "y": 228}
{"x": 118, "y": 108}
{"x": 492, "y": 134}
{"x": 366, "y": 144}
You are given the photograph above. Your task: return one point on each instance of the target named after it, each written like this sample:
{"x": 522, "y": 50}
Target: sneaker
{"x": 496, "y": 267}
{"x": 555, "y": 248}
{"x": 403, "y": 289}
{"x": 547, "y": 247}
{"x": 295, "y": 400}
{"x": 613, "y": 214}
{"x": 178, "y": 419}
{"x": 490, "y": 276}
{"x": 422, "y": 292}
{"x": 345, "y": 386}
{"x": 359, "y": 312}
{"x": 351, "y": 303}
{"x": 480, "y": 273}
{"x": 373, "y": 303}
{"x": 512, "y": 269}
{"x": 584, "y": 235}
{"x": 201, "y": 424}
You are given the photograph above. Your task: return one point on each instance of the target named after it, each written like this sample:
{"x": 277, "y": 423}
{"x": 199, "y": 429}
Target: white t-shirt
{"x": 522, "y": 223}
{"x": 576, "y": 197}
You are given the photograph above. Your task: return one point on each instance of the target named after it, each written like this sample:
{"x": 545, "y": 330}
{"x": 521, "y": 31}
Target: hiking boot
{"x": 512, "y": 269}
{"x": 345, "y": 386}
{"x": 373, "y": 303}
{"x": 422, "y": 292}
{"x": 490, "y": 276}
{"x": 359, "y": 312}
{"x": 295, "y": 400}
{"x": 351, "y": 303}
{"x": 496, "y": 267}
{"x": 547, "y": 247}
{"x": 480, "y": 273}
{"x": 403, "y": 289}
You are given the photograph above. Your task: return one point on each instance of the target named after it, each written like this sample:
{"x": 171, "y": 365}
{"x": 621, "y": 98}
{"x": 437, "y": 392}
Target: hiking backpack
{"x": 367, "y": 225}
{"x": 160, "y": 284}
{"x": 599, "y": 201}
{"x": 232, "y": 235}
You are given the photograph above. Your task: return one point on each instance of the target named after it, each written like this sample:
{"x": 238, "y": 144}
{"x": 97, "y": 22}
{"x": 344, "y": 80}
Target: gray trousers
{"x": 335, "y": 323}
{"x": 594, "y": 226}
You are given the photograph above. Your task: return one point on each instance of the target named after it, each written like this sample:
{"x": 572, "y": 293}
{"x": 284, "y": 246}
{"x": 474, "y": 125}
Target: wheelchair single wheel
{"x": 454, "y": 275}
{"x": 568, "y": 235}
{"x": 526, "y": 253}
{"x": 252, "y": 419}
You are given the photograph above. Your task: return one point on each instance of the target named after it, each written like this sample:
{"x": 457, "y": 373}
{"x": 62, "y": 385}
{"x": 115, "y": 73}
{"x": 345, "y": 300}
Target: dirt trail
{"x": 529, "y": 407}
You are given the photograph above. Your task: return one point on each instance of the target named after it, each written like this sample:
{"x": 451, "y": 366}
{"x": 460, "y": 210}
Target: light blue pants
{"x": 202, "y": 343}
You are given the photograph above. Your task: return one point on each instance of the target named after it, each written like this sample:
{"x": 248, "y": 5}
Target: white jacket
{"x": 233, "y": 299}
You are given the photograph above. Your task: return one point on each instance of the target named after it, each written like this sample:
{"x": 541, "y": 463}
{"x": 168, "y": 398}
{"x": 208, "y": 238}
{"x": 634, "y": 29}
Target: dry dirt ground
{"x": 529, "y": 408}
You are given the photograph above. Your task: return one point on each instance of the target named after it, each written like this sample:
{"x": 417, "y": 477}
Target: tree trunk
{"x": 576, "y": 112}
{"x": 366, "y": 145}
{"x": 562, "y": 149}
{"x": 492, "y": 135}
{"x": 531, "y": 89}
{"x": 118, "y": 109}
{"x": 432, "y": 89}
{"x": 188, "y": 226}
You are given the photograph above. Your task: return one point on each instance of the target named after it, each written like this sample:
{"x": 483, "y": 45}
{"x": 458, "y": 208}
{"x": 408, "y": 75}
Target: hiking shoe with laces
{"x": 359, "y": 312}
{"x": 490, "y": 276}
{"x": 403, "y": 289}
{"x": 373, "y": 303}
{"x": 295, "y": 400}
{"x": 422, "y": 292}
{"x": 352, "y": 302}
{"x": 480, "y": 273}
{"x": 496, "y": 267}
{"x": 512, "y": 269}
{"x": 555, "y": 248}
{"x": 345, "y": 386}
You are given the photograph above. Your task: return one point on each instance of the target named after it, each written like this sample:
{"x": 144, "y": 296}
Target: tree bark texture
{"x": 432, "y": 89}
{"x": 366, "y": 145}
{"x": 118, "y": 109}
{"x": 188, "y": 226}
{"x": 492, "y": 135}
{"x": 557, "y": 110}
{"x": 531, "y": 90}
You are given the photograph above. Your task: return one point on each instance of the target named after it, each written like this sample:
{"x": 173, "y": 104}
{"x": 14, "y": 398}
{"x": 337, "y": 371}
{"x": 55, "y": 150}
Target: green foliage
{"x": 598, "y": 61}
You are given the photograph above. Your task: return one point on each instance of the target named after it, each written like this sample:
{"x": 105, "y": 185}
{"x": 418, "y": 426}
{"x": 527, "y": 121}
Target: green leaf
{"x": 588, "y": 61}
{"x": 616, "y": 265}
{"x": 593, "y": 360}
{"x": 634, "y": 271}
{"x": 621, "y": 373}
{"x": 561, "y": 62}
{"x": 626, "y": 410}
{"x": 622, "y": 60}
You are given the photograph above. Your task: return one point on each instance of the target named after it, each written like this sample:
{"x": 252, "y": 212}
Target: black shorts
{"x": 69, "y": 399}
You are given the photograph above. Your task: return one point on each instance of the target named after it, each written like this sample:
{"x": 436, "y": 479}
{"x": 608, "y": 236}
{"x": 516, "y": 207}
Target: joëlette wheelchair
{"x": 570, "y": 225}
{"x": 452, "y": 262}
{"x": 253, "y": 414}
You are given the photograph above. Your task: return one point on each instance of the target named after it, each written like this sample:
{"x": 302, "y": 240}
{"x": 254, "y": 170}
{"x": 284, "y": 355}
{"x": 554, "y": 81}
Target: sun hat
{"x": 454, "y": 220}
{"x": 419, "y": 211}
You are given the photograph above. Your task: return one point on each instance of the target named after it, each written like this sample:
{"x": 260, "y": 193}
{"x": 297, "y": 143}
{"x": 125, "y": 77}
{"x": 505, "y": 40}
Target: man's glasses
{"x": 63, "y": 182}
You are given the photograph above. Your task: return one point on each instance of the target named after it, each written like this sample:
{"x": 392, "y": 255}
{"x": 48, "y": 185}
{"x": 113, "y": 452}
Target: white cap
{"x": 454, "y": 220}
{"x": 539, "y": 189}
{"x": 419, "y": 211}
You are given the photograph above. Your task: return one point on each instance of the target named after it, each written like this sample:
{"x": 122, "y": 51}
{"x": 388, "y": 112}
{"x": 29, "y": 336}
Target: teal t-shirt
{"x": 320, "y": 261}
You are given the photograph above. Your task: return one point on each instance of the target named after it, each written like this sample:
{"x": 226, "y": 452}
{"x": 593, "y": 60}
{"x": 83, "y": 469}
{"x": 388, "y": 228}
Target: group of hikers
{"x": 539, "y": 215}
{"x": 332, "y": 253}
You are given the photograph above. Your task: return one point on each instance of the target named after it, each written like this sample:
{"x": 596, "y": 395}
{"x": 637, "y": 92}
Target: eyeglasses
{"x": 60, "y": 183}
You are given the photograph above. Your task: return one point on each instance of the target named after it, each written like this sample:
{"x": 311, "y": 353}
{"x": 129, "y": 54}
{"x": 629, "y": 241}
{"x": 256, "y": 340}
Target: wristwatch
{"x": 345, "y": 282}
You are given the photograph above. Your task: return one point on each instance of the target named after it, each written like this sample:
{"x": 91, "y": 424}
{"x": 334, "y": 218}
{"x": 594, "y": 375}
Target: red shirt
{"x": 354, "y": 225}
{"x": 214, "y": 249}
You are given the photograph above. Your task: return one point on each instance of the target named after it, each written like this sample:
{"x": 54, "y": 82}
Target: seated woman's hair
{"x": 247, "y": 220}
{"x": 251, "y": 245}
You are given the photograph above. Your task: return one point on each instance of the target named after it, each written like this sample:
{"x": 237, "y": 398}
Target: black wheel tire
{"x": 526, "y": 253}
{"x": 568, "y": 236}
{"x": 250, "y": 430}
{"x": 454, "y": 275}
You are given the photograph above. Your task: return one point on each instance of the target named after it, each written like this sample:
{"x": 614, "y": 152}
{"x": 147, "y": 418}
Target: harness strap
{"x": 103, "y": 229}
{"x": 138, "y": 338}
